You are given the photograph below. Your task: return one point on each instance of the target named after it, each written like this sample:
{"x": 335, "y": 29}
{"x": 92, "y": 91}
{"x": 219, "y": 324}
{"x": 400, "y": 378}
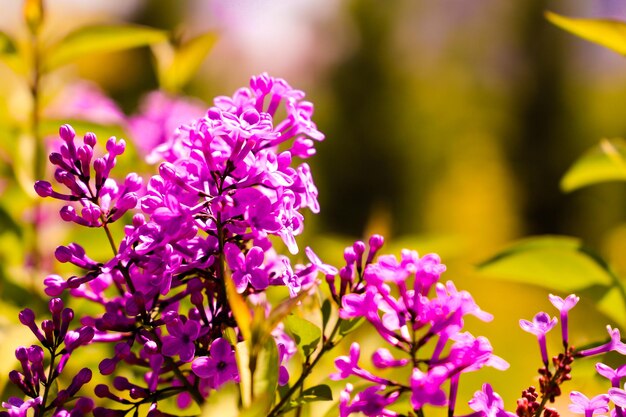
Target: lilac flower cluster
{"x": 394, "y": 296}
{"x": 553, "y": 374}
{"x": 227, "y": 183}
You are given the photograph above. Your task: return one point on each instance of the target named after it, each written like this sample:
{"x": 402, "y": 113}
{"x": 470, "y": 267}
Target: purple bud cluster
{"x": 86, "y": 180}
{"x": 413, "y": 313}
{"x": 37, "y": 378}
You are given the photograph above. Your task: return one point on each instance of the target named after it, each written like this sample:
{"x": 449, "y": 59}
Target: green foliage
{"x": 9, "y": 54}
{"x": 177, "y": 64}
{"x": 306, "y": 334}
{"x": 320, "y": 392}
{"x": 605, "y": 32}
{"x": 604, "y": 162}
{"x": 559, "y": 263}
{"x": 348, "y": 326}
{"x": 98, "y": 39}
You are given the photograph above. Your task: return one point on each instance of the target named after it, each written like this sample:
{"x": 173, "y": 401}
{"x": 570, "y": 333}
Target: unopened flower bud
{"x": 67, "y": 133}
{"x": 43, "y": 188}
{"x": 90, "y": 139}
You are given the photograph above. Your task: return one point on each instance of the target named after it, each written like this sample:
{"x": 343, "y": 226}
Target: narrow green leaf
{"x": 266, "y": 375}
{"x": 9, "y": 53}
{"x": 326, "y": 310}
{"x": 556, "y": 262}
{"x": 281, "y": 311}
{"x": 186, "y": 60}
{"x": 98, "y": 39}
{"x": 606, "y": 32}
{"x": 604, "y": 162}
{"x": 306, "y": 334}
{"x": 348, "y": 326}
{"x": 317, "y": 393}
{"x": 8, "y": 224}
{"x": 245, "y": 379}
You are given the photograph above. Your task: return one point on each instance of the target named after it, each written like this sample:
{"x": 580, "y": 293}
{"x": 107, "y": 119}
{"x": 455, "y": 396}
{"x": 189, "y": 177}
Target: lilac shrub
{"x": 184, "y": 297}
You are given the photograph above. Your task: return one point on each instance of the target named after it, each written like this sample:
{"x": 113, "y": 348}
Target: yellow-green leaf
{"x": 185, "y": 61}
{"x": 238, "y": 306}
{"x": 306, "y": 334}
{"x": 98, "y": 39}
{"x": 606, "y": 32}
{"x": 604, "y": 162}
{"x": 556, "y": 262}
{"x": 9, "y": 54}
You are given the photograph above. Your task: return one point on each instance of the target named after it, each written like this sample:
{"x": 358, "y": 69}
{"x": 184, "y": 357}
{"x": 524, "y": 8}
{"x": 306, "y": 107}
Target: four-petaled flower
{"x": 220, "y": 366}
{"x": 181, "y": 339}
{"x": 581, "y": 404}
{"x": 541, "y": 324}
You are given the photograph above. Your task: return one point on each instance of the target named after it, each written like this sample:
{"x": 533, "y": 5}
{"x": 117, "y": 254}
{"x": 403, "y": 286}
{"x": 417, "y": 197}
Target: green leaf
{"x": 281, "y": 311}
{"x": 613, "y": 306}
{"x": 556, "y": 262}
{"x": 185, "y": 61}
{"x": 9, "y": 54}
{"x": 606, "y": 32}
{"x": 326, "y": 310}
{"x": 604, "y": 162}
{"x": 266, "y": 376}
{"x": 238, "y": 305}
{"x": 98, "y": 39}
{"x": 306, "y": 335}
{"x": 8, "y": 224}
{"x": 348, "y": 326}
{"x": 245, "y": 380}
{"x": 317, "y": 393}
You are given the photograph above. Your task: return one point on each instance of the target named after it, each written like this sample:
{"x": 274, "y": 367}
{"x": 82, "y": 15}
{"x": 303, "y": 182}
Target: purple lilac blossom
{"x": 541, "y": 324}
{"x": 394, "y": 296}
{"x": 487, "y": 403}
{"x": 615, "y": 344}
{"x": 581, "y": 404}
{"x": 228, "y": 181}
{"x": 564, "y": 306}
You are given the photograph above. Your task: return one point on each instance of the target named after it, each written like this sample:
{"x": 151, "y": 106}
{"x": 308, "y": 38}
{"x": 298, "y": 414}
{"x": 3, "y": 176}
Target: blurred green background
{"x": 448, "y": 124}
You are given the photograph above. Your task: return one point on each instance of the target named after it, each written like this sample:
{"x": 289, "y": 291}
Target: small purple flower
{"x": 246, "y": 268}
{"x": 488, "y": 403}
{"x": 181, "y": 339}
{"x": 317, "y": 262}
{"x": 613, "y": 375}
{"x": 368, "y": 402}
{"x": 618, "y": 396}
{"x": 382, "y": 359}
{"x": 615, "y": 344}
{"x": 16, "y": 407}
{"x": 583, "y": 405}
{"x": 541, "y": 324}
{"x": 426, "y": 387}
{"x": 564, "y": 306}
{"x": 220, "y": 366}
{"x": 347, "y": 365}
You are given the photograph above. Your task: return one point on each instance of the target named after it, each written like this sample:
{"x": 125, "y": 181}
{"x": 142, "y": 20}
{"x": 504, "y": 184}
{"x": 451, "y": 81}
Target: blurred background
{"x": 448, "y": 124}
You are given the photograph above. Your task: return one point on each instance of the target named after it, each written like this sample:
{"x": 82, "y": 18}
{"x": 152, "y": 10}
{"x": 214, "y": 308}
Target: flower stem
{"x": 306, "y": 371}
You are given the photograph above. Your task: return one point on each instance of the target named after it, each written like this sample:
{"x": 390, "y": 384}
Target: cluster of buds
{"x": 55, "y": 337}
